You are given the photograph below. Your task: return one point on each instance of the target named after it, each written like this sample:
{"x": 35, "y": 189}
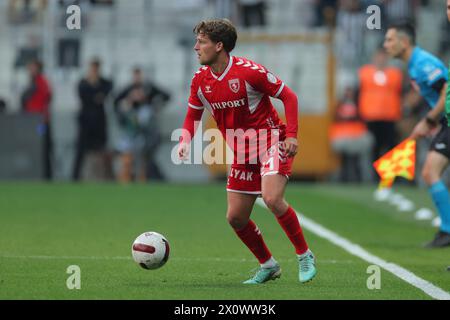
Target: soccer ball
{"x": 150, "y": 250}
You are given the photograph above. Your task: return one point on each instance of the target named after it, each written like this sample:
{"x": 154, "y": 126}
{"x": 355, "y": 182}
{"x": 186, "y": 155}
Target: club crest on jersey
{"x": 234, "y": 85}
{"x": 208, "y": 89}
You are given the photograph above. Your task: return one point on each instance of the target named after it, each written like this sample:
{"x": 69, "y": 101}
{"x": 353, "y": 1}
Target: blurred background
{"x": 101, "y": 103}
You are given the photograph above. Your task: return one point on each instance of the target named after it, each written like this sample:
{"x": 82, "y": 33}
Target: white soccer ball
{"x": 150, "y": 250}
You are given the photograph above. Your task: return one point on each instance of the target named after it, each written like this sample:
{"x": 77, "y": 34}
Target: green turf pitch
{"x": 46, "y": 228}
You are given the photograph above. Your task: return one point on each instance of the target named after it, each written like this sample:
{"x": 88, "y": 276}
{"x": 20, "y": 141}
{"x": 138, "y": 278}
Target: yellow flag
{"x": 400, "y": 161}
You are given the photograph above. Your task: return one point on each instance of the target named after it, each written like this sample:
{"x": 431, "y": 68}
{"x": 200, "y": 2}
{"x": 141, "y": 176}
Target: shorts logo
{"x": 440, "y": 146}
{"x": 234, "y": 85}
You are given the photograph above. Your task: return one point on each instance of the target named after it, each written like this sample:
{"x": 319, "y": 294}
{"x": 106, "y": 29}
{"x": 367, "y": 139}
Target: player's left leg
{"x": 273, "y": 187}
{"x": 435, "y": 164}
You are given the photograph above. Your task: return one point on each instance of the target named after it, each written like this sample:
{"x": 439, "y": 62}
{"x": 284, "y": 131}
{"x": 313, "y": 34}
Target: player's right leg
{"x": 275, "y": 170}
{"x": 436, "y": 162}
{"x": 240, "y": 206}
{"x": 273, "y": 188}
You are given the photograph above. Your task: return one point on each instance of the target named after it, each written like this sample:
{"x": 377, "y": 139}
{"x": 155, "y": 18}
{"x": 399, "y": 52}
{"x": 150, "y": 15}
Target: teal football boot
{"x": 307, "y": 267}
{"x": 264, "y": 275}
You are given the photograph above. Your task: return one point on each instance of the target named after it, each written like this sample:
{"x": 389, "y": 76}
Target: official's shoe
{"x": 264, "y": 275}
{"x": 441, "y": 240}
{"x": 307, "y": 267}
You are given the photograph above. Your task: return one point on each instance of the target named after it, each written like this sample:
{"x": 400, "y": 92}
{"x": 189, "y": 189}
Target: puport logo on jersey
{"x": 242, "y": 146}
{"x": 228, "y": 104}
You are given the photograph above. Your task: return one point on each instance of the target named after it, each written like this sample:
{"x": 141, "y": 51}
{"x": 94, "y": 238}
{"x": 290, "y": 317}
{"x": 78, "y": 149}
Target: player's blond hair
{"x": 218, "y": 30}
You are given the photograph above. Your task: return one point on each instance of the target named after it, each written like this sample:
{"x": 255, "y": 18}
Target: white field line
{"x": 356, "y": 250}
{"x": 204, "y": 259}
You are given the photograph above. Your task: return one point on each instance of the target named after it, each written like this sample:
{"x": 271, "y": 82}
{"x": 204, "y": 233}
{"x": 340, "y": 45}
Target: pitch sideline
{"x": 356, "y": 250}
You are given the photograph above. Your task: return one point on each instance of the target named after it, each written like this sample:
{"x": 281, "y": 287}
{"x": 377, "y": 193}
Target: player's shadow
{"x": 172, "y": 284}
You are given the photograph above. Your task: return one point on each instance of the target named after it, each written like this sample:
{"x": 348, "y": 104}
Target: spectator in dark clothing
{"x": 326, "y": 12}
{"x": 92, "y": 125}
{"x": 253, "y": 12}
{"x": 36, "y": 99}
{"x": 2, "y": 105}
{"x": 137, "y": 107}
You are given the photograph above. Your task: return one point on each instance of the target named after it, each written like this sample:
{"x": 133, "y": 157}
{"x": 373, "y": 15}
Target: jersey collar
{"x": 230, "y": 63}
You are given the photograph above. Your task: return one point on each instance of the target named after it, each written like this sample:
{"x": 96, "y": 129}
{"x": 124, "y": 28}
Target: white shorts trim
{"x": 272, "y": 173}
{"x": 245, "y": 192}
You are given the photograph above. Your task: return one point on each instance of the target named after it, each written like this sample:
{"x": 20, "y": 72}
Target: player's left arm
{"x": 290, "y": 102}
{"x": 431, "y": 121}
{"x": 271, "y": 85}
{"x": 447, "y": 103}
{"x": 437, "y": 80}
{"x": 435, "y": 113}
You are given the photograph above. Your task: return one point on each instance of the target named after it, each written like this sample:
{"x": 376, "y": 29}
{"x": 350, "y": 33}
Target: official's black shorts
{"x": 440, "y": 142}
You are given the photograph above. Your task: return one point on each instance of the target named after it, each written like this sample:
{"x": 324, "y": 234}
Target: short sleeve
{"x": 264, "y": 81}
{"x": 194, "y": 100}
{"x": 432, "y": 73}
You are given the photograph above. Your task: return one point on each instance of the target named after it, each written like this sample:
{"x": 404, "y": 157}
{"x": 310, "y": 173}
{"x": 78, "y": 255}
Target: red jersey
{"x": 39, "y": 101}
{"x": 239, "y": 98}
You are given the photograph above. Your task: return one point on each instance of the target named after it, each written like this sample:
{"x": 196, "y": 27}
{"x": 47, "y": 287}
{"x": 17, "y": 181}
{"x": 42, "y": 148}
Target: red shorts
{"x": 246, "y": 178}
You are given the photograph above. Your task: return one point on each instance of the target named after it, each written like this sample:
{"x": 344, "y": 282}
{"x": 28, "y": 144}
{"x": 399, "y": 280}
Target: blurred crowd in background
{"x": 375, "y": 107}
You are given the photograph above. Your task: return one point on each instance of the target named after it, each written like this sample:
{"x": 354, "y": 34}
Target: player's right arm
{"x": 436, "y": 79}
{"x": 426, "y": 125}
{"x": 191, "y": 121}
{"x": 447, "y": 101}
{"x": 436, "y": 112}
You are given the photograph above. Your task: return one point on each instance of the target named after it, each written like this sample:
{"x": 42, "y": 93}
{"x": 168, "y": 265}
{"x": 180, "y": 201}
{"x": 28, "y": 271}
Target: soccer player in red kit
{"x": 237, "y": 91}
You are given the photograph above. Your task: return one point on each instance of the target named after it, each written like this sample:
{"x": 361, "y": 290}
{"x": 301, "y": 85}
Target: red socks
{"x": 291, "y": 226}
{"x": 252, "y": 238}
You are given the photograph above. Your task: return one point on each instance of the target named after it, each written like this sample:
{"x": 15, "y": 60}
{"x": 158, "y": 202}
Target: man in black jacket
{"x": 92, "y": 125}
